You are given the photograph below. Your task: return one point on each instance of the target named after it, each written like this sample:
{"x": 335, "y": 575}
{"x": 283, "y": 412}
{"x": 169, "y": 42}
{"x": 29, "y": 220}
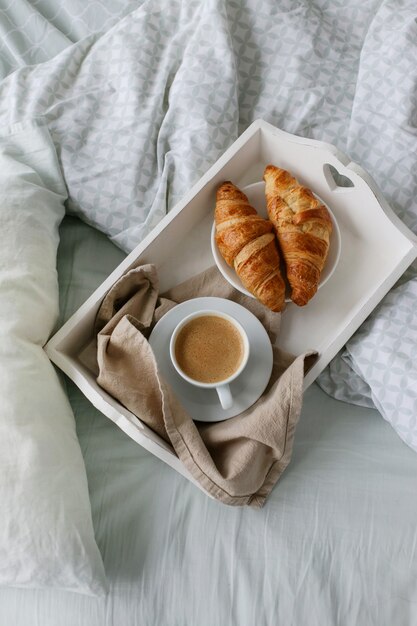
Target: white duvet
{"x": 139, "y": 113}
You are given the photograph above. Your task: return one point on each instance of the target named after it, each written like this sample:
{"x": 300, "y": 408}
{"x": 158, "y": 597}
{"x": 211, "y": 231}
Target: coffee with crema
{"x": 209, "y": 349}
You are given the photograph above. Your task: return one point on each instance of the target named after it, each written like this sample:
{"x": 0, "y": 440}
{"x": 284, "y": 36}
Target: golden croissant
{"x": 247, "y": 243}
{"x": 303, "y": 227}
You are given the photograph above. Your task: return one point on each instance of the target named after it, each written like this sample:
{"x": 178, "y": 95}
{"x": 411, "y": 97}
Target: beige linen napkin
{"x": 237, "y": 461}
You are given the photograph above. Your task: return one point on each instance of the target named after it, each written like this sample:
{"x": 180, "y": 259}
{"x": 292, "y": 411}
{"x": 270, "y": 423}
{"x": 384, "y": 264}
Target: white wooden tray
{"x": 376, "y": 249}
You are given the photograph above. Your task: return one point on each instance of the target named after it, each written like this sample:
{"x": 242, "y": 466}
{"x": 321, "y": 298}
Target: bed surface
{"x": 335, "y": 543}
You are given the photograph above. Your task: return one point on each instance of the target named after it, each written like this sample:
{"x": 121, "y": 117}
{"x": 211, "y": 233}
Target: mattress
{"x": 334, "y": 544}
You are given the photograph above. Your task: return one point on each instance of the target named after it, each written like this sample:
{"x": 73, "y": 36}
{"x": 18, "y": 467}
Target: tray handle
{"x": 336, "y": 181}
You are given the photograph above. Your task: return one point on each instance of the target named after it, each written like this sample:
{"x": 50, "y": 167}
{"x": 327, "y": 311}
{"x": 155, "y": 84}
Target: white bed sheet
{"x": 335, "y": 543}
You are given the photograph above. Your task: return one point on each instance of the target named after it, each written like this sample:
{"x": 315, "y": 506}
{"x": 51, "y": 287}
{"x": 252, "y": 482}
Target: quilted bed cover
{"x": 140, "y": 99}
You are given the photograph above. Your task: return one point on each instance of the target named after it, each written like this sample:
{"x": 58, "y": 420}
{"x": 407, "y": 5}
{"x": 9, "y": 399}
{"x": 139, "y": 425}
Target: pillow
{"x": 46, "y": 531}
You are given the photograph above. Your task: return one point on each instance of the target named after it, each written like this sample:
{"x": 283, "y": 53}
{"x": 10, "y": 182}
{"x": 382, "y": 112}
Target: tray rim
{"x": 65, "y": 361}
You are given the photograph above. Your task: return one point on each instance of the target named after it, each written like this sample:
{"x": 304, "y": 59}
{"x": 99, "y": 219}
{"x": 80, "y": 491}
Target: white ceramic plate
{"x": 203, "y": 404}
{"x": 256, "y": 197}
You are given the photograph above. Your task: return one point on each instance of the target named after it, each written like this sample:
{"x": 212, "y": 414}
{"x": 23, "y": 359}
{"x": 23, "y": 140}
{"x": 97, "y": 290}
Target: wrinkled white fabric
{"x": 46, "y": 531}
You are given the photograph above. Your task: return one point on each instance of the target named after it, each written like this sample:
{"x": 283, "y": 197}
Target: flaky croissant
{"x": 247, "y": 243}
{"x": 303, "y": 227}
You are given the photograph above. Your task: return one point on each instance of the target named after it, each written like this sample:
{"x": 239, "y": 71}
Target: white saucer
{"x": 203, "y": 404}
{"x": 256, "y": 197}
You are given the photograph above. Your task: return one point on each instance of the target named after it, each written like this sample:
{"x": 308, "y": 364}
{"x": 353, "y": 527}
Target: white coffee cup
{"x": 222, "y": 387}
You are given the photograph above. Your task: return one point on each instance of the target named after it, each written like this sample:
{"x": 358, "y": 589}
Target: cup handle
{"x": 225, "y": 396}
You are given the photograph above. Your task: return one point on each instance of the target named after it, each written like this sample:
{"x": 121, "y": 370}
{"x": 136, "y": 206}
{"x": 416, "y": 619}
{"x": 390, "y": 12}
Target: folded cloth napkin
{"x": 238, "y": 460}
